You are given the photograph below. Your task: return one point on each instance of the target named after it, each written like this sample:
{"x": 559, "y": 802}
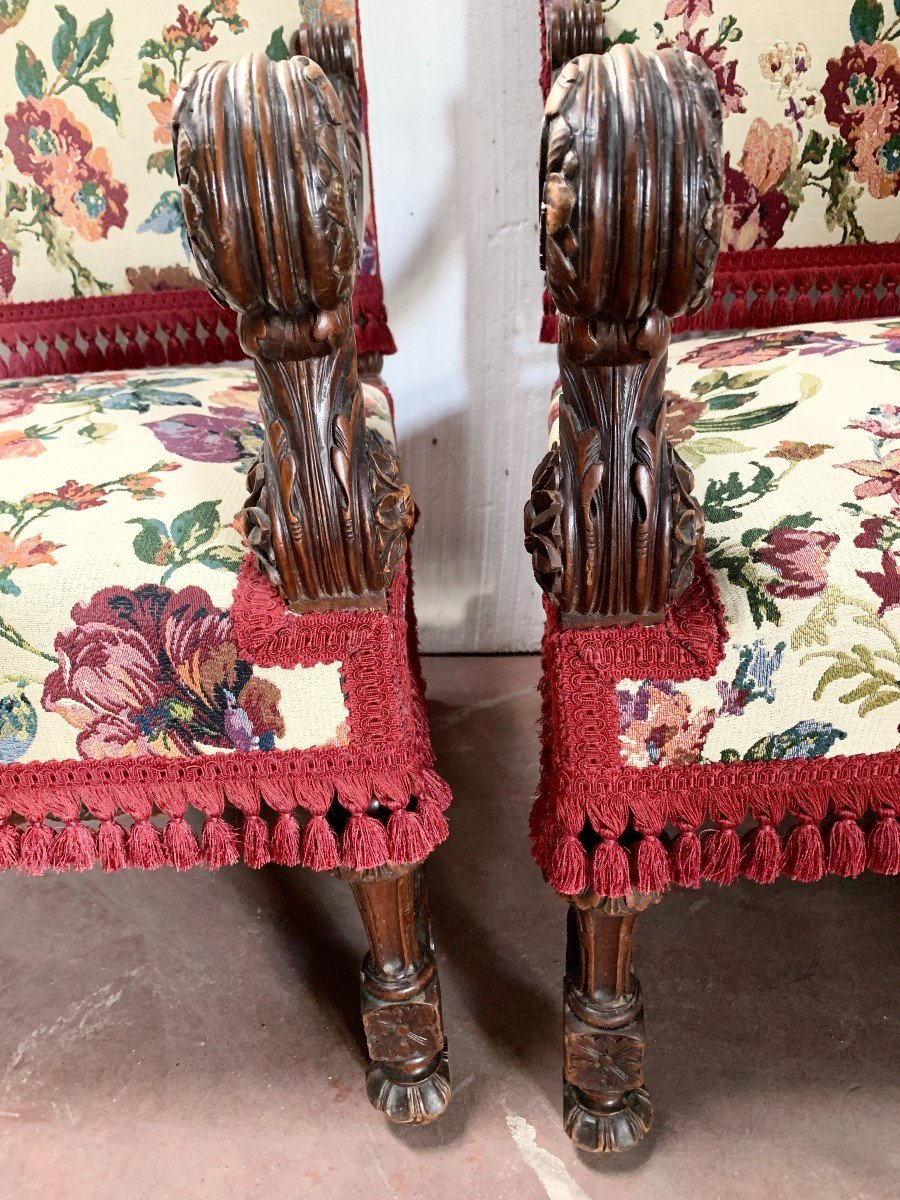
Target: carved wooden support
{"x": 631, "y": 213}
{"x": 605, "y": 1104}
{"x": 270, "y": 194}
{"x": 408, "y": 1078}
{"x": 331, "y": 44}
{"x": 574, "y": 27}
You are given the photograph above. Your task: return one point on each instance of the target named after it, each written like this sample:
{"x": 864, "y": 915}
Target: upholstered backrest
{"x": 94, "y": 265}
{"x": 811, "y": 97}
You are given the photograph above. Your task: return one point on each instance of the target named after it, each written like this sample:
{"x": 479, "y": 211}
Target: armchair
{"x": 194, "y": 688}
{"x": 720, "y": 676}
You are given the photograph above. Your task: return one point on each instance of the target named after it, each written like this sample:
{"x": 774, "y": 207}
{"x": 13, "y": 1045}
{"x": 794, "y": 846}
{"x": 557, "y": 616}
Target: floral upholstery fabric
{"x": 117, "y": 506}
{"x": 90, "y": 200}
{"x": 812, "y": 111}
{"x": 794, "y": 437}
{"x": 150, "y": 670}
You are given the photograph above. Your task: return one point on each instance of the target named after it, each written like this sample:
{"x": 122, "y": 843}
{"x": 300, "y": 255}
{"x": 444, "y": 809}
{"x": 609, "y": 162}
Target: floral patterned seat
{"x": 120, "y": 634}
{"x": 786, "y": 703}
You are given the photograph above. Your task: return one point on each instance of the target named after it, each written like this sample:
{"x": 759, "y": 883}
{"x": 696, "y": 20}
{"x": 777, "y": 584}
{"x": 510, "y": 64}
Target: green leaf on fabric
{"x": 153, "y": 544}
{"x": 93, "y": 47}
{"x": 866, "y": 19}
{"x": 153, "y": 80}
{"x": 63, "y": 47}
{"x": 222, "y": 558}
{"x": 746, "y": 420}
{"x": 16, "y": 197}
{"x": 277, "y": 49}
{"x": 162, "y": 161}
{"x": 200, "y": 524}
{"x": 729, "y": 401}
{"x": 806, "y": 739}
{"x": 102, "y": 93}
{"x": 30, "y": 73}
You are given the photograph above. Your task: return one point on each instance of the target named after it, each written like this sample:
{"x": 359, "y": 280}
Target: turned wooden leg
{"x": 605, "y": 1105}
{"x": 408, "y": 1077}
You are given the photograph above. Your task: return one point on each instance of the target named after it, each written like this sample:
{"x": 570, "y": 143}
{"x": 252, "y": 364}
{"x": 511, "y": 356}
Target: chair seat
{"x": 767, "y": 705}
{"x": 140, "y": 677}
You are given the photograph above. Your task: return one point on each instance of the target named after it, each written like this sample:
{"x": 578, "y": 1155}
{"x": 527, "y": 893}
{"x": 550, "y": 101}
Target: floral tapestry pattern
{"x": 89, "y": 204}
{"x": 119, "y": 556}
{"x": 812, "y": 108}
{"x": 798, "y": 468}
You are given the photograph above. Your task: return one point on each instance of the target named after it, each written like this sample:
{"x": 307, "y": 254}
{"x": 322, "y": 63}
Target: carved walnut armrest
{"x": 271, "y": 187}
{"x": 631, "y": 213}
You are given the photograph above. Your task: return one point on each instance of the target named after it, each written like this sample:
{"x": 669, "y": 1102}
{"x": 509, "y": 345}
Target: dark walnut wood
{"x": 605, "y": 1105}
{"x": 271, "y": 187}
{"x": 573, "y": 28}
{"x": 631, "y": 213}
{"x": 408, "y": 1076}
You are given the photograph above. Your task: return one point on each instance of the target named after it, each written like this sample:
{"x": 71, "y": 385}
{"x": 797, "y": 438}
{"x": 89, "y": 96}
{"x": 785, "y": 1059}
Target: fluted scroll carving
{"x": 270, "y": 196}
{"x": 574, "y": 27}
{"x": 631, "y": 213}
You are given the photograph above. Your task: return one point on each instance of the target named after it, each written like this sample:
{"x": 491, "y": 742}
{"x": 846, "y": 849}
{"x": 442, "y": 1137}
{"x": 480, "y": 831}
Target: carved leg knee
{"x": 408, "y": 1077}
{"x": 605, "y": 1104}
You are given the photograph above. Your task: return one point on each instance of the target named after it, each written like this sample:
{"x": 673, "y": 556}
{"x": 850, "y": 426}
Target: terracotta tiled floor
{"x": 198, "y": 1036}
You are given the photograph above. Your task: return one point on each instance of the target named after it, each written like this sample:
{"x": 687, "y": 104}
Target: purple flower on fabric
{"x": 157, "y": 672}
{"x": 223, "y": 434}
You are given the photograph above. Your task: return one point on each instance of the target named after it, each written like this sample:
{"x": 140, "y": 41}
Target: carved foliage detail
{"x": 269, "y": 185}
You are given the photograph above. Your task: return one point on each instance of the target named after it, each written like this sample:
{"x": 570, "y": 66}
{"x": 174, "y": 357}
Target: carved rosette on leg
{"x": 408, "y": 1077}
{"x": 605, "y": 1105}
{"x": 631, "y": 169}
{"x": 271, "y": 189}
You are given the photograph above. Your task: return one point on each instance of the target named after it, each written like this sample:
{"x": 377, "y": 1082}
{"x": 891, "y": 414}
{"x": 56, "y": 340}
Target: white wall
{"x": 455, "y": 119}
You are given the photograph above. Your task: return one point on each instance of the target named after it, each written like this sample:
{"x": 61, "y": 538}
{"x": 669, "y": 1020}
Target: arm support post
{"x": 631, "y": 212}
{"x": 271, "y": 187}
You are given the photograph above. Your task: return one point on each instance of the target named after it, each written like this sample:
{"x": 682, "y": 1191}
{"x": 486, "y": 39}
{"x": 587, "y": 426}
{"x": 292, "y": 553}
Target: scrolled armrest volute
{"x": 631, "y": 215}
{"x": 269, "y": 186}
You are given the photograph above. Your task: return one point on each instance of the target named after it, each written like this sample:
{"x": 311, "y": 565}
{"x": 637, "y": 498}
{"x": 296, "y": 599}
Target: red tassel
{"x": 407, "y": 840}
{"x": 567, "y": 872}
{"x": 219, "y": 844}
{"x": 9, "y": 846}
{"x": 884, "y": 846}
{"x": 34, "y": 852}
{"x": 320, "y": 848}
{"x": 684, "y": 859}
{"x": 180, "y": 844}
{"x": 651, "y": 865}
{"x": 145, "y": 846}
{"x": 111, "y": 846}
{"x": 762, "y": 856}
{"x": 846, "y": 849}
{"x": 433, "y": 788}
{"x": 255, "y": 841}
{"x": 721, "y": 856}
{"x": 286, "y": 841}
{"x": 804, "y": 853}
{"x": 610, "y": 876}
{"x": 433, "y": 822}
{"x": 364, "y": 843}
{"x": 74, "y": 848}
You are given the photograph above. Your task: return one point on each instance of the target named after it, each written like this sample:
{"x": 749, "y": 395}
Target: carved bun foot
{"x": 603, "y": 1130}
{"x": 410, "y": 1099}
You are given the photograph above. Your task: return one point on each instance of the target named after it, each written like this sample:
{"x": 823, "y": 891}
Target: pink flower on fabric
{"x": 156, "y": 672}
{"x": 883, "y": 422}
{"x": 657, "y": 727}
{"x": 799, "y": 557}
{"x": 882, "y": 476}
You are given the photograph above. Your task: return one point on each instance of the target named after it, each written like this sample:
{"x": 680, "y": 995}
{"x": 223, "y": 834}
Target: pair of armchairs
{"x": 186, "y": 688}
